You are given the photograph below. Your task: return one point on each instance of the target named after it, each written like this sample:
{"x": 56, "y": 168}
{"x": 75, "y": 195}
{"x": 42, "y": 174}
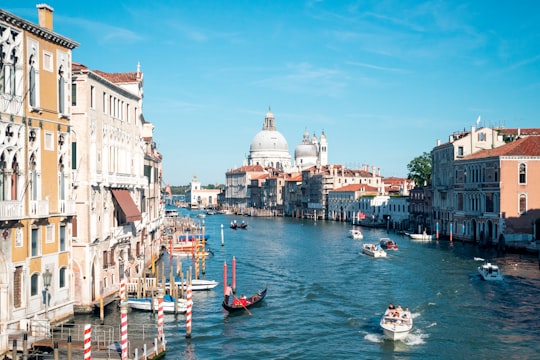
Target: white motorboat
{"x": 356, "y": 234}
{"x": 423, "y": 236}
{"x": 489, "y": 271}
{"x": 373, "y": 250}
{"x": 198, "y": 284}
{"x": 396, "y": 323}
{"x": 145, "y": 304}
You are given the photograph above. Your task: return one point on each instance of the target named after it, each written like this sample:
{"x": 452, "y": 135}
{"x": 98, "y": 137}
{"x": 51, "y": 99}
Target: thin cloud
{"x": 376, "y": 67}
{"x": 104, "y": 33}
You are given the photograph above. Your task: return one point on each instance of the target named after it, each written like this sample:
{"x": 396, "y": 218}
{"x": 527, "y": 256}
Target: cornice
{"x": 37, "y": 30}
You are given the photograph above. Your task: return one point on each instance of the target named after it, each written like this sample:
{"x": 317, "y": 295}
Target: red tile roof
{"x": 527, "y": 146}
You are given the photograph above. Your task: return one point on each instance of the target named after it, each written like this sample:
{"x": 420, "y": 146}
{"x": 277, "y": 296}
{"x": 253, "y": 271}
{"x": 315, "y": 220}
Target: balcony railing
{"x": 11, "y": 210}
{"x": 67, "y": 207}
{"x": 39, "y": 208}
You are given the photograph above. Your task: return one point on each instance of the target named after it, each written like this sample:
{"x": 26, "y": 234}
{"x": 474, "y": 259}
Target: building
{"x": 497, "y": 193}
{"x": 199, "y": 198}
{"x": 269, "y": 147}
{"x": 311, "y": 152}
{"x": 36, "y": 207}
{"x": 459, "y": 145}
{"x": 113, "y": 169}
{"x": 343, "y": 202}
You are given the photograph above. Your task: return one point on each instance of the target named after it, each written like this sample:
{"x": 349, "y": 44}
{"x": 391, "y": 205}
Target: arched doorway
{"x": 489, "y": 230}
{"x": 474, "y": 233}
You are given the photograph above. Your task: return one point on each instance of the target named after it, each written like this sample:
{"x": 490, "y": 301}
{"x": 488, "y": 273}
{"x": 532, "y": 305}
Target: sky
{"x": 383, "y": 79}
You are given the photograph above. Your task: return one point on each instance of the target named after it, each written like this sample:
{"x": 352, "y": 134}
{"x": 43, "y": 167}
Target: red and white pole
{"x": 160, "y": 317}
{"x": 189, "y": 300}
{"x": 87, "y": 347}
{"x": 233, "y": 274}
{"x": 123, "y": 289}
{"x": 224, "y": 278}
{"x": 124, "y": 330}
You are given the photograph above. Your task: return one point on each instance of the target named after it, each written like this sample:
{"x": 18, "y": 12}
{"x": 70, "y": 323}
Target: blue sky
{"x": 383, "y": 79}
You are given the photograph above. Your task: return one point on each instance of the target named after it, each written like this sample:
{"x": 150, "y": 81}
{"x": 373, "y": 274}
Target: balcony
{"x": 11, "y": 210}
{"x": 67, "y": 207}
{"x": 39, "y": 208}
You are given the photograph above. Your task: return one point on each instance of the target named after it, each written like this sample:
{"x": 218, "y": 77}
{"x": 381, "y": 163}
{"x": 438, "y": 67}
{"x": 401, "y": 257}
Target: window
{"x": 73, "y": 155}
{"x": 460, "y": 151}
{"x": 73, "y": 94}
{"x": 34, "y": 284}
{"x": 522, "y": 203}
{"x": 62, "y": 278}
{"x": 17, "y": 287}
{"x": 62, "y": 238}
{"x": 35, "y": 242}
{"x": 104, "y": 103}
{"x": 522, "y": 173}
{"x": 92, "y": 97}
{"x": 32, "y": 82}
{"x": 61, "y": 86}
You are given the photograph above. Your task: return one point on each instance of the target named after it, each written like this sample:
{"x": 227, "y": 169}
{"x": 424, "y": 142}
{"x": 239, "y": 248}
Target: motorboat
{"x": 356, "y": 234}
{"x": 489, "y": 271}
{"x": 373, "y": 250}
{"x": 388, "y": 244}
{"x": 197, "y": 284}
{"x": 423, "y": 236}
{"x": 145, "y": 304}
{"x": 396, "y": 323}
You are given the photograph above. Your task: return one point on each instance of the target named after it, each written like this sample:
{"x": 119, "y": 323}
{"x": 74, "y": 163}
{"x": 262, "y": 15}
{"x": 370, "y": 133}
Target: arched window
{"x": 61, "y": 86}
{"x": 32, "y": 82}
{"x": 522, "y": 203}
{"x": 522, "y": 173}
{"x": 12, "y": 82}
{"x": 62, "y": 278}
{"x": 34, "y": 284}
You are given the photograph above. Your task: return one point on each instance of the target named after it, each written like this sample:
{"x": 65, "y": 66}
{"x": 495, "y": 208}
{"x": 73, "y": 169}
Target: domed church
{"x": 269, "y": 147}
{"x": 311, "y": 152}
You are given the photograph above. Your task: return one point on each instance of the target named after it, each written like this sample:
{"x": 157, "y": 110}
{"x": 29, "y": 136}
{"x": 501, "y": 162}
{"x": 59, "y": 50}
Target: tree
{"x": 420, "y": 169}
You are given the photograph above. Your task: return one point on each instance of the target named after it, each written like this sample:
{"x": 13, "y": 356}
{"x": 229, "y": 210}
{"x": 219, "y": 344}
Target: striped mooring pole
{"x": 87, "y": 347}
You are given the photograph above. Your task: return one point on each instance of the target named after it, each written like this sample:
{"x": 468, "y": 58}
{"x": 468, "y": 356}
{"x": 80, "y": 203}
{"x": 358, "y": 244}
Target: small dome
{"x": 305, "y": 151}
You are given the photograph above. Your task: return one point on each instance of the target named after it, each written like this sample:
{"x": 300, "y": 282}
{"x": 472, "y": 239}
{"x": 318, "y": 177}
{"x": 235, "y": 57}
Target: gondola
{"x": 251, "y": 301}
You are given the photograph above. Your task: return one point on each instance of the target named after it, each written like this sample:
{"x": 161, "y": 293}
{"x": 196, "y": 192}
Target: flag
{"x": 478, "y": 121}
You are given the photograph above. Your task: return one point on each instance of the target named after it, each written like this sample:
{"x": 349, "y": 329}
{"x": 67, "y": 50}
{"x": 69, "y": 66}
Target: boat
{"x": 356, "y": 234}
{"x": 396, "y": 323}
{"x": 197, "y": 284}
{"x": 373, "y": 250}
{"x": 145, "y": 304}
{"x": 489, "y": 271}
{"x": 234, "y": 306}
{"x": 388, "y": 244}
{"x": 423, "y": 236}
{"x": 235, "y": 225}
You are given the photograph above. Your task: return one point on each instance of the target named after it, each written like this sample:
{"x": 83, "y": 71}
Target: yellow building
{"x": 36, "y": 209}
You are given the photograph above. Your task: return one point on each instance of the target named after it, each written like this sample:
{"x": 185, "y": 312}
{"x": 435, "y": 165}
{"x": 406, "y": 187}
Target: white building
{"x": 110, "y": 184}
{"x": 199, "y": 198}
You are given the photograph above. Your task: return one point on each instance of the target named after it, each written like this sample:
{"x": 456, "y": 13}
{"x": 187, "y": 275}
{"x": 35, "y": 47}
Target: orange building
{"x": 497, "y": 193}
{"x": 36, "y": 210}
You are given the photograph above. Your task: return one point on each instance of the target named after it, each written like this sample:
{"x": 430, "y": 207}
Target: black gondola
{"x": 251, "y": 301}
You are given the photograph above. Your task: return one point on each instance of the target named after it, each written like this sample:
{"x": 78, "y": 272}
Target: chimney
{"x": 45, "y": 16}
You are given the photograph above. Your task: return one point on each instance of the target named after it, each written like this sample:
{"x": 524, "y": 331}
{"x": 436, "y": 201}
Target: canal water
{"x": 325, "y": 299}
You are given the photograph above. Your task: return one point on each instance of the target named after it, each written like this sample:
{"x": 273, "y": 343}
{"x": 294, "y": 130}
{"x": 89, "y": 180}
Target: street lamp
{"x": 47, "y": 276}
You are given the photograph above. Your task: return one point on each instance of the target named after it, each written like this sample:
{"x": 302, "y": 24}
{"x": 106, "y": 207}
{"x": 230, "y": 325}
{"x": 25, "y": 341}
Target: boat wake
{"x": 374, "y": 338}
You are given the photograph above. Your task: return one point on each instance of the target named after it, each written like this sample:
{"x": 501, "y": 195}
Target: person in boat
{"x": 391, "y": 307}
{"x": 399, "y": 308}
{"x": 243, "y": 300}
{"x": 228, "y": 294}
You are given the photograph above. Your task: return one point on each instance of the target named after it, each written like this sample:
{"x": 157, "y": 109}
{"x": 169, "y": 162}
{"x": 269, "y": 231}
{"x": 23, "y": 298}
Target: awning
{"x": 127, "y": 204}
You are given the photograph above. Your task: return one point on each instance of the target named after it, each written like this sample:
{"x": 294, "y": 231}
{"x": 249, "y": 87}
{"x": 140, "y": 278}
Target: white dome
{"x": 305, "y": 150}
{"x": 269, "y": 140}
